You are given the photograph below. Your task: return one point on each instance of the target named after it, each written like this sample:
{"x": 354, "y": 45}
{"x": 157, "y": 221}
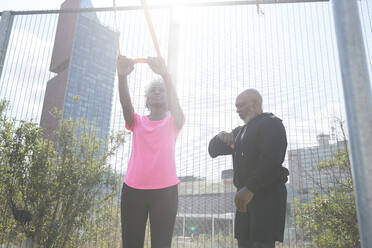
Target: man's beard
{"x": 249, "y": 117}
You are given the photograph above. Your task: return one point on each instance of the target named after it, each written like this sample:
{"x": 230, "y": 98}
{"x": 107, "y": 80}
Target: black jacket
{"x": 259, "y": 152}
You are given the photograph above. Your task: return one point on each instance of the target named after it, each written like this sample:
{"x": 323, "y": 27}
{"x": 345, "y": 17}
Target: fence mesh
{"x": 286, "y": 51}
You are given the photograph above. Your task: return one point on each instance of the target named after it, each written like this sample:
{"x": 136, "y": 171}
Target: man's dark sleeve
{"x": 272, "y": 145}
{"x": 217, "y": 147}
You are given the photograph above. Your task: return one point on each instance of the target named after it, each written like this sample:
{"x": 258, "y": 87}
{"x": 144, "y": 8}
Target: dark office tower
{"x": 84, "y": 58}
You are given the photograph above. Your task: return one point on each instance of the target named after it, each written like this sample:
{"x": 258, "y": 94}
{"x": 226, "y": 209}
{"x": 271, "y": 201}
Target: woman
{"x": 150, "y": 185}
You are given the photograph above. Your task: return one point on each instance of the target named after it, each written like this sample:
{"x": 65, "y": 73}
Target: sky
{"x": 55, "y": 4}
{"x": 30, "y": 5}
{"x": 47, "y": 4}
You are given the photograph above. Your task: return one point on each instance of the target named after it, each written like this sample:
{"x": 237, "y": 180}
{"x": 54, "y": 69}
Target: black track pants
{"x": 161, "y": 207}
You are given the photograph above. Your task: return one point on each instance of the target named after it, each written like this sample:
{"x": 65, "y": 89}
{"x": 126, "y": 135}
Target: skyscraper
{"x": 84, "y": 59}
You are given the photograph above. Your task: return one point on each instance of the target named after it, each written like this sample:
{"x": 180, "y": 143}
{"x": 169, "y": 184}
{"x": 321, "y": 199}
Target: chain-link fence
{"x": 288, "y": 51}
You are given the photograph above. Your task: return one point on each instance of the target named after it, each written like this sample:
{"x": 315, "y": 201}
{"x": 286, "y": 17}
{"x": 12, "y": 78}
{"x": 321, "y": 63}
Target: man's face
{"x": 245, "y": 108}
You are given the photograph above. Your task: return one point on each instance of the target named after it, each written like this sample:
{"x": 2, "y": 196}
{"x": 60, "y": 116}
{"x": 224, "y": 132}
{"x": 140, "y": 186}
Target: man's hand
{"x": 242, "y": 198}
{"x": 157, "y": 65}
{"x": 125, "y": 66}
{"x": 227, "y": 138}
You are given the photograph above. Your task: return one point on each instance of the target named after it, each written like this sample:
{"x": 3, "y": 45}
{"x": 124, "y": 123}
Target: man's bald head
{"x": 249, "y": 104}
{"x": 252, "y": 95}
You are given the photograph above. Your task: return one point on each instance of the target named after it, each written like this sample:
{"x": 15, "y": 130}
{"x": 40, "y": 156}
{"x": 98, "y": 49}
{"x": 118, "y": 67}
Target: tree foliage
{"x": 330, "y": 218}
{"x": 60, "y": 183}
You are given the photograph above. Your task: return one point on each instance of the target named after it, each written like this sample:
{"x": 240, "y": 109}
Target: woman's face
{"x": 156, "y": 96}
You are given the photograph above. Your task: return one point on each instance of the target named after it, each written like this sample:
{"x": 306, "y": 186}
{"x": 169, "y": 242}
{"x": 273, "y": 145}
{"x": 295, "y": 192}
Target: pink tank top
{"x": 152, "y": 163}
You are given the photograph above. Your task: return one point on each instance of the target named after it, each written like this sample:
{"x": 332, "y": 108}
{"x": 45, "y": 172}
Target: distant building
{"x": 205, "y": 207}
{"x": 305, "y": 178}
{"x": 84, "y": 59}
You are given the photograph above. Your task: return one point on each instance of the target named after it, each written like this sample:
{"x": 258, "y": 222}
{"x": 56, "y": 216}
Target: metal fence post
{"x": 173, "y": 44}
{"x": 358, "y": 101}
{"x": 5, "y": 29}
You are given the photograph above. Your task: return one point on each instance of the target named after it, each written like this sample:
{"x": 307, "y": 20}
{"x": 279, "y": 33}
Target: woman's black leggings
{"x": 137, "y": 204}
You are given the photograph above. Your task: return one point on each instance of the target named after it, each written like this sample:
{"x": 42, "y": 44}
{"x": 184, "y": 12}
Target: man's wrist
{"x": 247, "y": 189}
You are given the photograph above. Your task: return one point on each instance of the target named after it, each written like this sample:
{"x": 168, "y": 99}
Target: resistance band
{"x": 150, "y": 26}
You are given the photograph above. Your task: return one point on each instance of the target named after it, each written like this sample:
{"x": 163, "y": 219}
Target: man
{"x": 258, "y": 149}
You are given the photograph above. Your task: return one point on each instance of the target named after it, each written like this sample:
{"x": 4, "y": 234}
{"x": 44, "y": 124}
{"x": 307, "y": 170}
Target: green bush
{"x": 58, "y": 182}
{"x": 330, "y": 219}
